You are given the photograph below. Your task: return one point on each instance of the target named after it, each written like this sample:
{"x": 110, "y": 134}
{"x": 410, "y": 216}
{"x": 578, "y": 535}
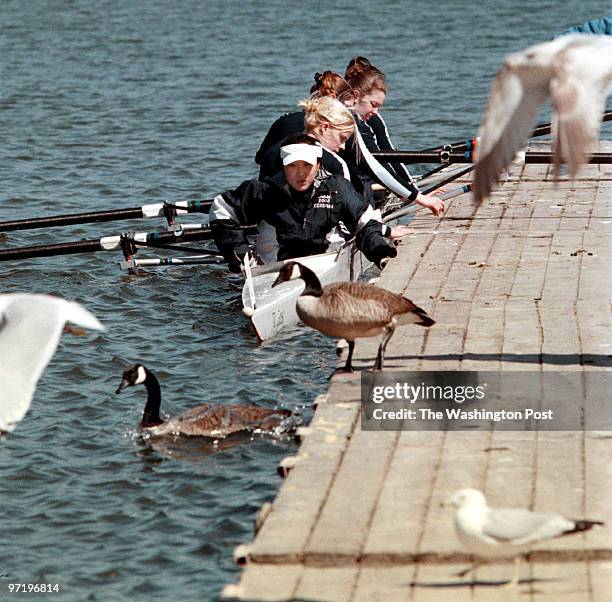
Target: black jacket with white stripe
{"x": 363, "y": 168}
{"x": 302, "y": 220}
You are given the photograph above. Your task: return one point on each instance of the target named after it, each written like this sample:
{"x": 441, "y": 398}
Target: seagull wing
{"x": 511, "y": 111}
{"x": 579, "y": 87}
{"x": 518, "y": 526}
{"x": 30, "y": 329}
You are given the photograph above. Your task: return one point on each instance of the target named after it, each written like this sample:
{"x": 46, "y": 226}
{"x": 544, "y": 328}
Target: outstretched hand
{"x": 398, "y": 232}
{"x": 435, "y": 205}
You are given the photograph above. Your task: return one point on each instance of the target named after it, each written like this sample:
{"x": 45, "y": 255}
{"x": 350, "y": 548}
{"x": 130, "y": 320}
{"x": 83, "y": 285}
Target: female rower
{"x": 331, "y": 124}
{"x": 370, "y": 86}
{"x": 327, "y": 83}
{"x": 363, "y": 167}
{"x": 303, "y": 205}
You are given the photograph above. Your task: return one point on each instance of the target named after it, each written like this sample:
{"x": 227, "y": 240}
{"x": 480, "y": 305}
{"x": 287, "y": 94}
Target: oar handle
{"x": 451, "y": 194}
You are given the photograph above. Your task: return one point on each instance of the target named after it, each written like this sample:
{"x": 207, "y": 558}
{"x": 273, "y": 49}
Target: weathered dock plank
{"x": 521, "y": 283}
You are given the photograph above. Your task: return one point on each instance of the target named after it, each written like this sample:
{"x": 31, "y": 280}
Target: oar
{"x": 452, "y": 157}
{"x": 153, "y": 210}
{"x": 438, "y": 177}
{"x": 541, "y": 129}
{"x": 453, "y": 175}
{"x": 193, "y": 232}
{"x": 445, "y": 178}
{"x": 430, "y": 174}
{"x": 444, "y": 197}
{"x": 421, "y": 157}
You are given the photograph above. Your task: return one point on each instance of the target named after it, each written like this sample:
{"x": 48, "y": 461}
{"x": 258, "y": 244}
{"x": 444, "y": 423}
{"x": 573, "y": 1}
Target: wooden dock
{"x": 519, "y": 283}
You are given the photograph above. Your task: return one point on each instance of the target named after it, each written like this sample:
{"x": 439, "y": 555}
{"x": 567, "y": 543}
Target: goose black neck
{"x": 313, "y": 284}
{"x": 150, "y": 416}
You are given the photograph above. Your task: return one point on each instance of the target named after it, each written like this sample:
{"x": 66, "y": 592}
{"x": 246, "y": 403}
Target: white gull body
{"x": 575, "y": 72}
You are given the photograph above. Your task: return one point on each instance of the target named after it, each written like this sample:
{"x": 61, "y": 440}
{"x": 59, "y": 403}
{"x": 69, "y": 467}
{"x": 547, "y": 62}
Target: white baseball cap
{"x": 301, "y": 152}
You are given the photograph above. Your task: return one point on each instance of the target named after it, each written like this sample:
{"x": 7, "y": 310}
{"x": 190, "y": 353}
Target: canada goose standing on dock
{"x": 206, "y": 420}
{"x": 351, "y": 310}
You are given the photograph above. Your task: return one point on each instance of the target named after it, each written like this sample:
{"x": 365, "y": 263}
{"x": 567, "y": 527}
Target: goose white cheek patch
{"x": 295, "y": 273}
{"x": 142, "y": 376}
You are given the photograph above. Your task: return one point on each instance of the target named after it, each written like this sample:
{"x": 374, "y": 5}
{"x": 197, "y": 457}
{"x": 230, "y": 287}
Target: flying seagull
{"x": 506, "y": 532}
{"x": 575, "y": 71}
{"x": 30, "y": 329}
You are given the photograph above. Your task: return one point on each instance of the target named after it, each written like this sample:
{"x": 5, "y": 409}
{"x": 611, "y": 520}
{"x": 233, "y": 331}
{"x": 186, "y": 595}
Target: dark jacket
{"x": 363, "y": 167}
{"x": 289, "y": 123}
{"x": 302, "y": 221}
{"x": 383, "y": 142}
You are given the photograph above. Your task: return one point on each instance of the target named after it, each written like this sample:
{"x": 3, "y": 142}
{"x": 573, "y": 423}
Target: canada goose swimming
{"x": 491, "y": 533}
{"x": 351, "y": 310}
{"x": 576, "y": 72}
{"x": 30, "y": 329}
{"x": 206, "y": 420}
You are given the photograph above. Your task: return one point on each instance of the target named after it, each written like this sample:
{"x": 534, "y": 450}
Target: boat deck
{"x": 521, "y": 283}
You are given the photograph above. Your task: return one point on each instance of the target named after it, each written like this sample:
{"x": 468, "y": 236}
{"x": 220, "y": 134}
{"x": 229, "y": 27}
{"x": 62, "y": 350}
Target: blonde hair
{"x": 325, "y": 109}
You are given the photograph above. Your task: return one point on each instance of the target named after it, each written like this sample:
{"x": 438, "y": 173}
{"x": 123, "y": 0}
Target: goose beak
{"x": 124, "y": 384}
{"x": 279, "y": 280}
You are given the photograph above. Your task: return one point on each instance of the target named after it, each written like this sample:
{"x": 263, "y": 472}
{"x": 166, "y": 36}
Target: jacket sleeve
{"x": 359, "y": 217}
{"x": 230, "y": 210}
{"x": 383, "y": 141}
{"x": 382, "y": 173}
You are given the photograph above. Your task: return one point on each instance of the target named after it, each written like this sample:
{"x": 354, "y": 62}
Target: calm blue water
{"x": 109, "y": 104}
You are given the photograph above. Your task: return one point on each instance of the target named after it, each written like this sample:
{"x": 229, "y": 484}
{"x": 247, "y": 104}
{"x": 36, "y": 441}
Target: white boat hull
{"x": 273, "y": 310}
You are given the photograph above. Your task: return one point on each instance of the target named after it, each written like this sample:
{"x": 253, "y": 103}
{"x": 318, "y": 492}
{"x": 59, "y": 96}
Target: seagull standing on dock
{"x": 491, "y": 533}
{"x": 30, "y": 329}
{"x": 575, "y": 71}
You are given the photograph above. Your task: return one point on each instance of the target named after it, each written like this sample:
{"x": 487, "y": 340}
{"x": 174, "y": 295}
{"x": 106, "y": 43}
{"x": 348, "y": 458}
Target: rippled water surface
{"x": 109, "y": 104}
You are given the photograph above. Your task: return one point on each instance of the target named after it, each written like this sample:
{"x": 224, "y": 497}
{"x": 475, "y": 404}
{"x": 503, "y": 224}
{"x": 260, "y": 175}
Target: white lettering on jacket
{"x": 324, "y": 201}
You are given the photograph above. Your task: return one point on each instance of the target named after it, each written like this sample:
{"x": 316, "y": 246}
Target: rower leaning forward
{"x": 303, "y": 204}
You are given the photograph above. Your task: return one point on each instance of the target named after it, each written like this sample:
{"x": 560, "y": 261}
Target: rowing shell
{"x": 272, "y": 310}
